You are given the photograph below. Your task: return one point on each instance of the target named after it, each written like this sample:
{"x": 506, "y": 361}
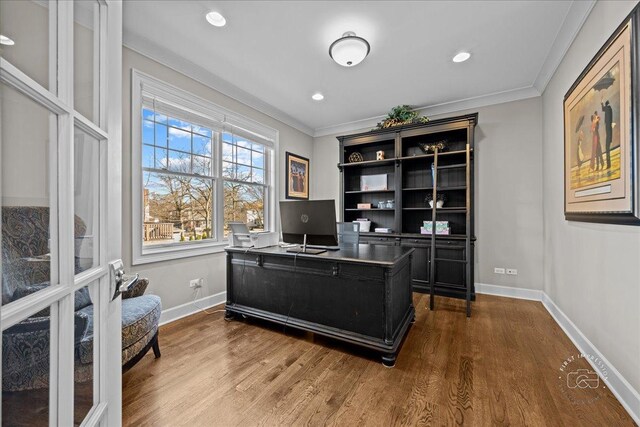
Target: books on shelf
{"x": 442, "y": 227}
{"x": 382, "y": 230}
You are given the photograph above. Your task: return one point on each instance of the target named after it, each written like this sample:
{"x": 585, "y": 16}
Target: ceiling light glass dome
{"x": 349, "y": 50}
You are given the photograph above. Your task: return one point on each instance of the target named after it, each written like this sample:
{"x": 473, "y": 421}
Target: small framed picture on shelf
{"x": 297, "y": 177}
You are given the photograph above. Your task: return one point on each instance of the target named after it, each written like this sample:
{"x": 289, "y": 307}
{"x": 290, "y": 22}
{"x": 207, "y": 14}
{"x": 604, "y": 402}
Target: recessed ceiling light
{"x": 349, "y": 50}
{"x": 6, "y": 40}
{"x": 317, "y": 96}
{"x": 216, "y": 19}
{"x": 461, "y": 57}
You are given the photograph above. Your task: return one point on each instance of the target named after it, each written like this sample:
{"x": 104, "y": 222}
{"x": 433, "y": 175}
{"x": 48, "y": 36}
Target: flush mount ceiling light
{"x": 349, "y": 50}
{"x": 6, "y": 40}
{"x": 216, "y": 19}
{"x": 317, "y": 96}
{"x": 461, "y": 57}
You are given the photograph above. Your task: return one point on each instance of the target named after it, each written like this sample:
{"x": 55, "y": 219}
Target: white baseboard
{"x": 178, "y": 312}
{"x": 620, "y": 387}
{"x": 509, "y": 292}
{"x": 628, "y": 397}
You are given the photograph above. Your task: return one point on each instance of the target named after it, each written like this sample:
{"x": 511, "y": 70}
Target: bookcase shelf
{"x": 371, "y": 210}
{"x": 430, "y": 156}
{"x": 459, "y": 187}
{"x": 443, "y": 264}
{"x": 448, "y": 210}
{"x": 369, "y": 191}
{"x": 462, "y": 165}
{"x": 367, "y": 163}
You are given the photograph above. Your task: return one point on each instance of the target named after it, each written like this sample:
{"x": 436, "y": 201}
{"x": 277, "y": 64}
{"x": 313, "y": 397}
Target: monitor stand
{"x": 305, "y": 249}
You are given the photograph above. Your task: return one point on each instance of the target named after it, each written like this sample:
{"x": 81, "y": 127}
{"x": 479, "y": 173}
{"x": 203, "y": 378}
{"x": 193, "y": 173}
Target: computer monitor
{"x": 309, "y": 222}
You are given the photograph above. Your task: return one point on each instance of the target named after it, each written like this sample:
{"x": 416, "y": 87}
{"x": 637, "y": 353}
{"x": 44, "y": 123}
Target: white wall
{"x": 508, "y": 189}
{"x": 170, "y": 279}
{"x": 591, "y": 271}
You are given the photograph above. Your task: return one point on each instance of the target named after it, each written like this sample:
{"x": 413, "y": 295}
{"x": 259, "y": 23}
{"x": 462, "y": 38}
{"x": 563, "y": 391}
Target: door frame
{"x": 59, "y": 99}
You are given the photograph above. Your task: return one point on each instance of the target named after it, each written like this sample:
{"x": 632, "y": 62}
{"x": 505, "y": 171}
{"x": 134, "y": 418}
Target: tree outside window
{"x": 179, "y": 179}
{"x": 243, "y": 172}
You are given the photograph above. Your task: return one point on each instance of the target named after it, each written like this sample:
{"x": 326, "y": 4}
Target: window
{"x": 196, "y": 167}
{"x": 243, "y": 170}
{"x": 178, "y": 180}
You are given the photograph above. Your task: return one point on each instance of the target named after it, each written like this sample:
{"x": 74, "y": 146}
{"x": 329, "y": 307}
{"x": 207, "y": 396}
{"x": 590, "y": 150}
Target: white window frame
{"x": 219, "y": 119}
{"x": 264, "y": 185}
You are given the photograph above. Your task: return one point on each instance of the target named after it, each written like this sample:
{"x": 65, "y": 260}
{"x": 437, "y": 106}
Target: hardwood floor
{"x": 501, "y": 367}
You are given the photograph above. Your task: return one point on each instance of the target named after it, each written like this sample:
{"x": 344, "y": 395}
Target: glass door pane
{"x": 86, "y": 200}
{"x": 25, "y": 372}
{"x": 86, "y": 59}
{"x": 84, "y": 322}
{"x": 28, "y": 136}
{"x": 25, "y": 27}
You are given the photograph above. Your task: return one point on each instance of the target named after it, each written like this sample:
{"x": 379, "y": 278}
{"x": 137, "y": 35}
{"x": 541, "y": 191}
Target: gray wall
{"x": 591, "y": 271}
{"x": 508, "y": 190}
{"x": 170, "y": 279}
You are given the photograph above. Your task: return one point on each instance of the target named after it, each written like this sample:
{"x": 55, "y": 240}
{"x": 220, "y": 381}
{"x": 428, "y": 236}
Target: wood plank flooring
{"x": 501, "y": 367}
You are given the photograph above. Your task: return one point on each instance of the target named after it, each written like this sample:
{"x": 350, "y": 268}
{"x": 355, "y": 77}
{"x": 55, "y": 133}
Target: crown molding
{"x": 177, "y": 63}
{"x": 436, "y": 109}
{"x": 574, "y": 20}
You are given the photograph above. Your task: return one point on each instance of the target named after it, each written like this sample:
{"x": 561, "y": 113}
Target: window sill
{"x": 167, "y": 253}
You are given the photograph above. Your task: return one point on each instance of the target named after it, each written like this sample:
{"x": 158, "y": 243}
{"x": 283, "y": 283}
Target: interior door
{"x": 60, "y": 189}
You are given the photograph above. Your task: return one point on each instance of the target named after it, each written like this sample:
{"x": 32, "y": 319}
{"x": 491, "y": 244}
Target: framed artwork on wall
{"x": 297, "y": 177}
{"x": 601, "y": 135}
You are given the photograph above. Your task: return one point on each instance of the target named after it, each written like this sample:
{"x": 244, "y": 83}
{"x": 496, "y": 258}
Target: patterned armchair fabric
{"x": 136, "y": 290}
{"x": 25, "y": 270}
{"x": 25, "y": 247}
{"x": 25, "y": 358}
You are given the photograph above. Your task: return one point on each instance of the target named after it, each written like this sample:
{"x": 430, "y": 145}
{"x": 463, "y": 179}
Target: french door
{"x": 60, "y": 190}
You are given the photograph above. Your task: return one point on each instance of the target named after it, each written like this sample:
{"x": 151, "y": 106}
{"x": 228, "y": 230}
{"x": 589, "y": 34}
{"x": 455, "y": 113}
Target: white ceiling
{"x": 273, "y": 55}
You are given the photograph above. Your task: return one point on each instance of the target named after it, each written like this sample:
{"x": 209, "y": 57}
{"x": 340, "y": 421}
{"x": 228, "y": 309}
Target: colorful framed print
{"x": 601, "y": 134}
{"x": 297, "y": 177}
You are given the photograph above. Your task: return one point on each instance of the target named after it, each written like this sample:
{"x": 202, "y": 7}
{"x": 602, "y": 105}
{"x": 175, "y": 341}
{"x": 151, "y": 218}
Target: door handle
{"x": 120, "y": 282}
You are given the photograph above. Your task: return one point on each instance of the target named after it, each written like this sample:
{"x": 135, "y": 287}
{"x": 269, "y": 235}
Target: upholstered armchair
{"x": 25, "y": 346}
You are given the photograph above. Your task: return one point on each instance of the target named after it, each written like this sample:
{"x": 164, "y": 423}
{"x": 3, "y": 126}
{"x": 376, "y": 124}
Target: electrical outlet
{"x": 196, "y": 283}
{"x": 512, "y": 271}
{"x": 498, "y": 270}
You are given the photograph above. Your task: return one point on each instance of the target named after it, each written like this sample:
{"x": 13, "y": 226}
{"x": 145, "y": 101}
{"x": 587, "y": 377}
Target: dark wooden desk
{"x": 360, "y": 294}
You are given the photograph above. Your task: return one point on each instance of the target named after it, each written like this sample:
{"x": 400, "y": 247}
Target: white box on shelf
{"x": 383, "y": 230}
{"x": 365, "y": 226}
{"x": 374, "y": 182}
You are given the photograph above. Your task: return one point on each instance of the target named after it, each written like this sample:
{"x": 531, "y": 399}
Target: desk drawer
{"x": 380, "y": 240}
{"x": 305, "y": 266}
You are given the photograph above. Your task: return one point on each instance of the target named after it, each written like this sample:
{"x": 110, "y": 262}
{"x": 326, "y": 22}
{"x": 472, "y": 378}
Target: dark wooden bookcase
{"x": 446, "y": 260}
